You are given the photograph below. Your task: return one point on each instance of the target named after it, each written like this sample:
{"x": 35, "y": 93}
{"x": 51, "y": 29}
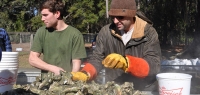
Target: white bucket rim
{"x": 5, "y": 60}
{"x": 9, "y": 54}
{"x": 10, "y": 58}
{"x": 16, "y": 69}
{"x": 8, "y": 62}
{"x": 164, "y": 76}
{"x": 14, "y": 64}
{"x": 4, "y": 52}
{"x": 8, "y": 66}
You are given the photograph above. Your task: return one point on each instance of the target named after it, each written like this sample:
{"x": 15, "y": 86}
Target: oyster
{"x": 50, "y": 84}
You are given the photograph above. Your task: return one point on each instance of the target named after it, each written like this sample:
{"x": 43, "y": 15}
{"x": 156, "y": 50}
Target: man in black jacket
{"x": 128, "y": 49}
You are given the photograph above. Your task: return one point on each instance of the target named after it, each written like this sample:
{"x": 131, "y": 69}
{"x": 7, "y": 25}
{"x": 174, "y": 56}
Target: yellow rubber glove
{"x": 76, "y": 76}
{"x": 115, "y": 61}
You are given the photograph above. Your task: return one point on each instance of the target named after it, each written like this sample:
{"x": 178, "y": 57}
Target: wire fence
{"x": 25, "y": 37}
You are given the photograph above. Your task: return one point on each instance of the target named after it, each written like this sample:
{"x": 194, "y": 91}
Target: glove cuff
{"x": 90, "y": 71}
{"x": 126, "y": 65}
{"x": 137, "y": 66}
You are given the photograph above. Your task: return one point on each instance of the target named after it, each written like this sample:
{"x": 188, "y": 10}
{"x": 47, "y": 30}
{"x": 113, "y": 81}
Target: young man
{"x": 62, "y": 45}
{"x": 128, "y": 49}
{"x": 5, "y": 43}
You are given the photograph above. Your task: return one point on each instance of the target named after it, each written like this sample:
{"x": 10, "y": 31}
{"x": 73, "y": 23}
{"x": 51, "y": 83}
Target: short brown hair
{"x": 53, "y": 6}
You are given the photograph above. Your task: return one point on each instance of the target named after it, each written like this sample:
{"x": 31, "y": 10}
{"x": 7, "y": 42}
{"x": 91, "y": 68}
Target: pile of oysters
{"x": 50, "y": 84}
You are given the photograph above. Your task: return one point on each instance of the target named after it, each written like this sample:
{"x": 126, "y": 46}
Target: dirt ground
{"x": 23, "y": 55}
{"x": 24, "y": 46}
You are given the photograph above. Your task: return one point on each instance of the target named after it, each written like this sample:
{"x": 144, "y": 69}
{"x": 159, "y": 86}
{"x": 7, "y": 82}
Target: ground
{"x": 23, "y": 55}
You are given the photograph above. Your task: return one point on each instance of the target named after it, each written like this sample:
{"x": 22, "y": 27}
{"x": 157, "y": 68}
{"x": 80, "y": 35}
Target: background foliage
{"x": 176, "y": 21}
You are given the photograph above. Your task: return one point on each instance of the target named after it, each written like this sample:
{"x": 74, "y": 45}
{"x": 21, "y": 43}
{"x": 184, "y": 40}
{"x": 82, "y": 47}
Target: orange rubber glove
{"x": 115, "y": 61}
{"x": 136, "y": 66}
{"x": 76, "y": 76}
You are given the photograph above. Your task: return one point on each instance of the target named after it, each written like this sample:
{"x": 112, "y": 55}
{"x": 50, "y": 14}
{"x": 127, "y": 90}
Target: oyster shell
{"x": 50, "y": 84}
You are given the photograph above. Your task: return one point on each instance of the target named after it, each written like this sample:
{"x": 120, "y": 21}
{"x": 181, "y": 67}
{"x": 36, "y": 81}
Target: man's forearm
{"x": 35, "y": 61}
{"x": 76, "y": 65}
{"x": 40, "y": 64}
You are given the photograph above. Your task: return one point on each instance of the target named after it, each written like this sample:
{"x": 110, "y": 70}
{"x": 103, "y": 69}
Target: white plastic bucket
{"x": 15, "y": 64}
{"x": 8, "y": 77}
{"x": 174, "y": 83}
{"x": 8, "y": 70}
{"x": 9, "y": 67}
{"x": 8, "y": 60}
{"x": 9, "y": 54}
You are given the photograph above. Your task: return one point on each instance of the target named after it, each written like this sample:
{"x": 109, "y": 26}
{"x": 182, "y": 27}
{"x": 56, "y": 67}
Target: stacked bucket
{"x": 8, "y": 70}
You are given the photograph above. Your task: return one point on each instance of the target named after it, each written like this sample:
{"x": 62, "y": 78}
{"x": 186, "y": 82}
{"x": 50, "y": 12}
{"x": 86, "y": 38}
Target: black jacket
{"x": 144, "y": 44}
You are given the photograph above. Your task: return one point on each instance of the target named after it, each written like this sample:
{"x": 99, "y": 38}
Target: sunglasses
{"x": 117, "y": 17}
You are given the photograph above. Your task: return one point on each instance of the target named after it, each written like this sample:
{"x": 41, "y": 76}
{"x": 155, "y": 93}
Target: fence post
{"x": 20, "y": 38}
{"x": 31, "y": 40}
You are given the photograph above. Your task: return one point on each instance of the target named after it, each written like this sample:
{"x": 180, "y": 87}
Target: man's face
{"x": 122, "y": 22}
{"x": 49, "y": 18}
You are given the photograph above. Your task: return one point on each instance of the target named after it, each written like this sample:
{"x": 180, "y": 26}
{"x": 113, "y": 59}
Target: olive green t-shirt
{"x": 59, "y": 47}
